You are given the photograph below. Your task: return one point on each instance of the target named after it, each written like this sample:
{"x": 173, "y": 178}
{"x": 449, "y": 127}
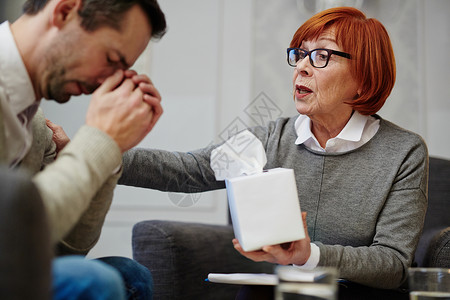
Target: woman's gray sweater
{"x": 365, "y": 207}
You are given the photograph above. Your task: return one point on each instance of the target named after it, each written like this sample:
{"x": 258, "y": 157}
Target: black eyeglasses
{"x": 318, "y": 57}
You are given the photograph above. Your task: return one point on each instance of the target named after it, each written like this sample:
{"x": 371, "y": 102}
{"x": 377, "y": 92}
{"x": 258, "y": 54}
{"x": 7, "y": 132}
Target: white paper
{"x": 244, "y": 278}
{"x": 242, "y": 154}
{"x": 299, "y": 275}
{"x": 262, "y": 278}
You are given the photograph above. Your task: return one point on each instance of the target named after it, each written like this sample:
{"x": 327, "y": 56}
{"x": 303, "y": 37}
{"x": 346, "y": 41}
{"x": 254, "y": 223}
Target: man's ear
{"x": 64, "y": 11}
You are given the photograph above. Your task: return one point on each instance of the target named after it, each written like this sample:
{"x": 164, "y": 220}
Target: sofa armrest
{"x": 438, "y": 252}
{"x": 180, "y": 255}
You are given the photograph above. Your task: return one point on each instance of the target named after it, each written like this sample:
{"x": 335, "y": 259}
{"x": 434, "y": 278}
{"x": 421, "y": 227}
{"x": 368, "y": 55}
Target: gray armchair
{"x": 434, "y": 245}
{"x": 180, "y": 255}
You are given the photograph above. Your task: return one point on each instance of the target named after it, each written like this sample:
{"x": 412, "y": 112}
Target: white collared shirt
{"x": 17, "y": 99}
{"x": 358, "y": 131}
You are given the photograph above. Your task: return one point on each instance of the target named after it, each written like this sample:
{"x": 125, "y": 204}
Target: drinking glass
{"x": 429, "y": 284}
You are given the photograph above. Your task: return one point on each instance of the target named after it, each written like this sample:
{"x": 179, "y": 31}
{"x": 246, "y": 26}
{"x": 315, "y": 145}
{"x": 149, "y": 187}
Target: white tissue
{"x": 242, "y": 154}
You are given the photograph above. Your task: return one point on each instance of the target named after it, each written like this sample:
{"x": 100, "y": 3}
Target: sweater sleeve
{"x": 162, "y": 170}
{"x": 186, "y": 172}
{"x": 87, "y": 230}
{"x": 68, "y": 185}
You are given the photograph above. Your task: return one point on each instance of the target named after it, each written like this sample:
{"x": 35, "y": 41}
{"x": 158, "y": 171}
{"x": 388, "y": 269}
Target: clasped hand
{"x": 126, "y": 106}
{"x": 296, "y": 252}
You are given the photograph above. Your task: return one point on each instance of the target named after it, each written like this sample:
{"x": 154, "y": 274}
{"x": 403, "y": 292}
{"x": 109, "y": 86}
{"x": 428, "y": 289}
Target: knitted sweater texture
{"x": 365, "y": 207}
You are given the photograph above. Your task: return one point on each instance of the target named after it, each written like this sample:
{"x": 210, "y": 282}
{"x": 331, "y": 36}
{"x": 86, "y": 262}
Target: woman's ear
{"x": 359, "y": 91}
{"x": 64, "y": 11}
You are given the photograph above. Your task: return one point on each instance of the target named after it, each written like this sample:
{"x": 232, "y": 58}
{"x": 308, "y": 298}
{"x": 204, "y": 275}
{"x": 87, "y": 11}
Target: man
{"x": 60, "y": 48}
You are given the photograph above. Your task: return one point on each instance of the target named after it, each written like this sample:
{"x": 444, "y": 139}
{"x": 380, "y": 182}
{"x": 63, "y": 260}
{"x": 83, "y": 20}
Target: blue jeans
{"x": 108, "y": 278}
{"x": 137, "y": 278}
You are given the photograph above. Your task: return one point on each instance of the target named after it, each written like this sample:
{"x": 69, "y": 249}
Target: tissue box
{"x": 265, "y": 208}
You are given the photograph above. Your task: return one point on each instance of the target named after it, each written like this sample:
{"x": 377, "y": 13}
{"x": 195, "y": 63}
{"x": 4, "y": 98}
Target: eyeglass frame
{"x": 308, "y": 53}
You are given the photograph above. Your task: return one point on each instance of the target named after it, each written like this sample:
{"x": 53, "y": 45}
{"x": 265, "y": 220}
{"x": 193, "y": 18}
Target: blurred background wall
{"x": 222, "y": 67}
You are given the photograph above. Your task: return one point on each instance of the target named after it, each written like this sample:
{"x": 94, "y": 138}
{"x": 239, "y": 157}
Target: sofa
{"x": 180, "y": 255}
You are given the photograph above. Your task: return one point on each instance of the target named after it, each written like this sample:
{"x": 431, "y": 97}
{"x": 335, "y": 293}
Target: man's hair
{"x": 98, "y": 13}
{"x": 372, "y": 57}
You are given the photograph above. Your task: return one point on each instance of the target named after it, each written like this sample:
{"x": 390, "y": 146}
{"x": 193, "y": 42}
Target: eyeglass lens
{"x": 319, "y": 57}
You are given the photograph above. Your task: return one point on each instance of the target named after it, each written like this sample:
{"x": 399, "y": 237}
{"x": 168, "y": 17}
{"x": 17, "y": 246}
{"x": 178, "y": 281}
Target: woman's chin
{"x": 302, "y": 108}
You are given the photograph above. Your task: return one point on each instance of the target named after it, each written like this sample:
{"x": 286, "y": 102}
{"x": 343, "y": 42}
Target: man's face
{"x": 78, "y": 61}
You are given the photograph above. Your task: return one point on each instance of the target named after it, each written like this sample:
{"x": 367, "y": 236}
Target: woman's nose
{"x": 303, "y": 67}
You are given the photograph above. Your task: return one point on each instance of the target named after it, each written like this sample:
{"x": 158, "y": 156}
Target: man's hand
{"x": 297, "y": 252}
{"x": 59, "y": 137}
{"x": 125, "y": 107}
{"x": 151, "y": 94}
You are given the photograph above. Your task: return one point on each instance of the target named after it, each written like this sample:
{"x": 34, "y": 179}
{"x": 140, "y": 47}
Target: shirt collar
{"x": 352, "y": 132}
{"x": 14, "y": 76}
{"x": 303, "y": 129}
{"x": 354, "y": 128}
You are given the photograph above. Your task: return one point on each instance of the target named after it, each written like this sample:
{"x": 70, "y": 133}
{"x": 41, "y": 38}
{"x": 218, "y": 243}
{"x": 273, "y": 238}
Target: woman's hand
{"x": 296, "y": 252}
{"x": 59, "y": 137}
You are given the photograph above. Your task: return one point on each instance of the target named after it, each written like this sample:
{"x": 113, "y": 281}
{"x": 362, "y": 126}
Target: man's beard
{"x": 56, "y": 82}
{"x": 58, "y": 61}
{"x": 55, "y": 85}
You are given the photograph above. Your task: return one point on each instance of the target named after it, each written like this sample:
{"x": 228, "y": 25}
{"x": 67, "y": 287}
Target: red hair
{"x": 372, "y": 63}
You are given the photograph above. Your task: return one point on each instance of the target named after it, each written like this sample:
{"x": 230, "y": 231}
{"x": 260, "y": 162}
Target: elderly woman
{"x": 361, "y": 179}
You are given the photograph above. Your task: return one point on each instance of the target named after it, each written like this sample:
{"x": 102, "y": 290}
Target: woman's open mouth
{"x": 301, "y": 91}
